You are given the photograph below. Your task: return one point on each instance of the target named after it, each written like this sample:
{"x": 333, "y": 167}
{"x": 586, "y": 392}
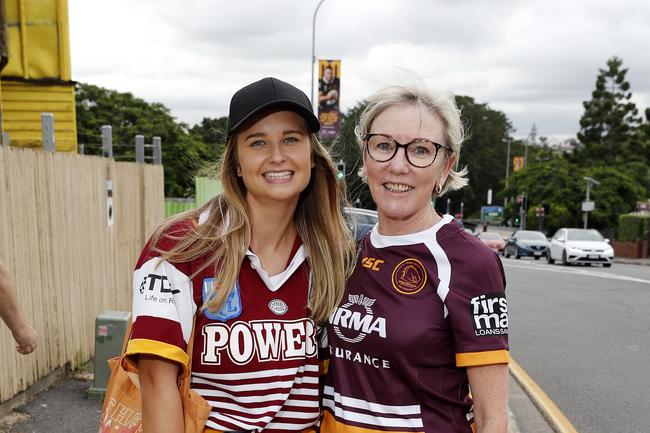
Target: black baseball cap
{"x": 269, "y": 93}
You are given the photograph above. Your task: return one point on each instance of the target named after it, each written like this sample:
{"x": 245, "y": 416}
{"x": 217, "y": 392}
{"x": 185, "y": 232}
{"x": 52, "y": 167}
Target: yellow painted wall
{"x": 22, "y": 105}
{"x": 39, "y": 43}
{"x": 37, "y": 78}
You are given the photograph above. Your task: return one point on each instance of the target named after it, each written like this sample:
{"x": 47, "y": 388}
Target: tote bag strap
{"x": 184, "y": 379}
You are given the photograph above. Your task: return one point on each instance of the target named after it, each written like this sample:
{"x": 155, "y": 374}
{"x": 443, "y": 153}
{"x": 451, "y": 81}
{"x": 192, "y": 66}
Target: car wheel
{"x": 517, "y": 256}
{"x": 564, "y": 262}
{"x": 549, "y": 259}
{"x": 607, "y": 265}
{"x": 536, "y": 257}
{"x": 506, "y": 254}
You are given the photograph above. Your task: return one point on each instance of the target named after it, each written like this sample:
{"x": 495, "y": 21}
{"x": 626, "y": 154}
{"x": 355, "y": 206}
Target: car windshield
{"x": 583, "y": 235}
{"x": 531, "y": 236}
{"x": 490, "y": 236}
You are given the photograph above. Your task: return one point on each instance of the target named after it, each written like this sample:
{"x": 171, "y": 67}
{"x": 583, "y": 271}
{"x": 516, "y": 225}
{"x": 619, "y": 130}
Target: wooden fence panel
{"x": 67, "y": 263}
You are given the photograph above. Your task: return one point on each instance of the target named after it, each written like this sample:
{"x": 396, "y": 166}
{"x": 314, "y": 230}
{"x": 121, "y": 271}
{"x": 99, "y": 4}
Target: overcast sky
{"x": 535, "y": 60}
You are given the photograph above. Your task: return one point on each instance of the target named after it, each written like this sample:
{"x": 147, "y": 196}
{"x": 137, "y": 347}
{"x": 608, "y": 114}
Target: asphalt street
{"x": 582, "y": 333}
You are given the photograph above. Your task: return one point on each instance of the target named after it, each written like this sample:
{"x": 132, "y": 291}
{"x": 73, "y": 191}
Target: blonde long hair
{"x": 225, "y": 236}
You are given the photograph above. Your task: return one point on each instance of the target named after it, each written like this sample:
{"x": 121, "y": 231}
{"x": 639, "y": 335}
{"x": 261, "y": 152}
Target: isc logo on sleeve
{"x": 231, "y": 309}
{"x": 371, "y": 263}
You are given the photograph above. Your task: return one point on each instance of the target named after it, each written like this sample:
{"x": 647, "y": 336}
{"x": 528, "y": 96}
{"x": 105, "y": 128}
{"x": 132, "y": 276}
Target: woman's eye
{"x": 384, "y": 147}
{"x": 421, "y": 151}
{"x": 291, "y": 140}
{"x": 258, "y": 143}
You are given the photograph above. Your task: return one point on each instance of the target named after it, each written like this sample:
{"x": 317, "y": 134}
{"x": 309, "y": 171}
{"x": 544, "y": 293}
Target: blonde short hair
{"x": 441, "y": 103}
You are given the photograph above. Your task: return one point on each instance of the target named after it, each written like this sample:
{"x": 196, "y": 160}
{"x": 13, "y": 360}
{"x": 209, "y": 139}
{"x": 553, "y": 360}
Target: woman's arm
{"x": 489, "y": 386}
{"x": 162, "y": 410}
{"x": 24, "y": 334}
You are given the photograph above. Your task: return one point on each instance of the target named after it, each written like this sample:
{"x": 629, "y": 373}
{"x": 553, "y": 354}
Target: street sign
{"x": 539, "y": 212}
{"x": 492, "y": 214}
{"x": 588, "y": 206}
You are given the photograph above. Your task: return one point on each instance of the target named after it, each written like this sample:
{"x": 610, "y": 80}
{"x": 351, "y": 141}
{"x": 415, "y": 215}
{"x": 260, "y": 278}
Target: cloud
{"x": 535, "y": 60}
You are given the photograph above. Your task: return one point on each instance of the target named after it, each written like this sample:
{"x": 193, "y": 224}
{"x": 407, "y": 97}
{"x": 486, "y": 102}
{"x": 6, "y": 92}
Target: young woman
{"x": 252, "y": 270}
{"x": 424, "y": 316}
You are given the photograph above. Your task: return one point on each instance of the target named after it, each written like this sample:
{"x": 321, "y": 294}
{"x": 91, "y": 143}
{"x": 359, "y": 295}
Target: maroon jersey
{"x": 417, "y": 310}
{"x": 255, "y": 360}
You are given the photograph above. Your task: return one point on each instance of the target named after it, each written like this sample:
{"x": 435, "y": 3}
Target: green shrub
{"x": 633, "y": 226}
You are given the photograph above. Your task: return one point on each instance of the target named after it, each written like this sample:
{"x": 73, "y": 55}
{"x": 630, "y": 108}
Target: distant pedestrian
{"x": 24, "y": 334}
{"x": 424, "y": 316}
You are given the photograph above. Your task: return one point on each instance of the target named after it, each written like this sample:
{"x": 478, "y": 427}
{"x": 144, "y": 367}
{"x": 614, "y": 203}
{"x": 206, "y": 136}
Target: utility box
{"x": 110, "y": 329}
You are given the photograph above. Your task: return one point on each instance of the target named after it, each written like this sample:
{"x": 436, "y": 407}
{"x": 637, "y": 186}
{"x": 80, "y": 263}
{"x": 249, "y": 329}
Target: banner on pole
{"x": 329, "y": 91}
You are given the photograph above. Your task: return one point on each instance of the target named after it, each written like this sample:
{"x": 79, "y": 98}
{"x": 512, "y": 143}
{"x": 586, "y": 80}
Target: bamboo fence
{"x": 67, "y": 263}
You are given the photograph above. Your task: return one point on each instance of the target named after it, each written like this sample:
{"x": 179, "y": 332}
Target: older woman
{"x": 424, "y": 317}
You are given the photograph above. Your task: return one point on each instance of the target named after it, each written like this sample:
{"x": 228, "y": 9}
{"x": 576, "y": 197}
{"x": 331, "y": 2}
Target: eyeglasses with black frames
{"x": 420, "y": 152}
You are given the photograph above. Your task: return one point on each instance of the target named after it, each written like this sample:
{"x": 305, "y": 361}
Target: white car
{"x": 585, "y": 246}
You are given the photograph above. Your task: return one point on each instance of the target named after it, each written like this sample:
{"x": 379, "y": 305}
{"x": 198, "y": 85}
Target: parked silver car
{"x": 360, "y": 221}
{"x": 585, "y": 246}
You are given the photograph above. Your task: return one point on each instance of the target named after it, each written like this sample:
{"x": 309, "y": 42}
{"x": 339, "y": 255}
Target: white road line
{"x": 553, "y": 268}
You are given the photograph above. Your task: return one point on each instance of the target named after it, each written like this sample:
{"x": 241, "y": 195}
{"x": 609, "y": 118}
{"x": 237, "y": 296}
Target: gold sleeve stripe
{"x": 470, "y": 359}
{"x": 330, "y": 423}
{"x": 158, "y": 348}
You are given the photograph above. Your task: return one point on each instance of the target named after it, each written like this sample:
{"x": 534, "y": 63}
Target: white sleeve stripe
{"x": 369, "y": 406}
{"x": 444, "y": 268}
{"x": 257, "y": 386}
{"x": 371, "y": 420}
{"x": 292, "y": 371}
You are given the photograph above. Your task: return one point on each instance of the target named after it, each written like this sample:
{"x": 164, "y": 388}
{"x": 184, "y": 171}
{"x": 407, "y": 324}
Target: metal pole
{"x": 47, "y": 129}
{"x": 139, "y": 149}
{"x": 448, "y": 204}
{"x": 107, "y": 141}
{"x": 157, "y": 150}
{"x": 508, "y": 163}
{"x": 313, "y": 53}
{"x": 586, "y": 216}
{"x": 462, "y": 205}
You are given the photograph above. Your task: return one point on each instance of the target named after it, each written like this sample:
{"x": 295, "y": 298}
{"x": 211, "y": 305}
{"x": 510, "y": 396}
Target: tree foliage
{"x": 182, "y": 151}
{"x": 610, "y": 119}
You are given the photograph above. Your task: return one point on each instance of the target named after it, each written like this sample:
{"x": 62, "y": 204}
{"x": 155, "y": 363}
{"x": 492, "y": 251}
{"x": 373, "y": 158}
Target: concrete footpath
{"x": 64, "y": 408}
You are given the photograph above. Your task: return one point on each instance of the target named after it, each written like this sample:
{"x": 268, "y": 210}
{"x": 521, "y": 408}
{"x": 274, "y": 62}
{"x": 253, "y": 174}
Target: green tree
{"x": 617, "y": 194}
{"x": 484, "y": 153}
{"x": 607, "y": 127}
{"x": 554, "y": 181}
{"x": 213, "y": 132}
{"x": 128, "y": 115}
{"x": 345, "y": 147}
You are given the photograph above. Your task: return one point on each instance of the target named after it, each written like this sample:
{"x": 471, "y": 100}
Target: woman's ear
{"x": 238, "y": 171}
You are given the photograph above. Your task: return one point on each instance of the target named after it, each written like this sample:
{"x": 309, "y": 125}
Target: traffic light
{"x": 340, "y": 170}
{"x": 517, "y": 220}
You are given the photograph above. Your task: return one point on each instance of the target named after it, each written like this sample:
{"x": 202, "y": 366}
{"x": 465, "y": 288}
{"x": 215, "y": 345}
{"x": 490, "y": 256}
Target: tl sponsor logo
{"x": 354, "y": 320}
{"x": 160, "y": 283}
{"x": 490, "y": 314}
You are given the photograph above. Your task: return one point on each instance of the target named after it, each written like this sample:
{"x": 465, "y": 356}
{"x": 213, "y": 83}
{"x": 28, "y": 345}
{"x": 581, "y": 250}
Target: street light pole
{"x": 313, "y": 52}
{"x": 586, "y": 205}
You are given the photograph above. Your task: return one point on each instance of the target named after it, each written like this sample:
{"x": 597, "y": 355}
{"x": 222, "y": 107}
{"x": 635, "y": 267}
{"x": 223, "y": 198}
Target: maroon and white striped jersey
{"x": 255, "y": 361}
{"x": 417, "y": 310}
